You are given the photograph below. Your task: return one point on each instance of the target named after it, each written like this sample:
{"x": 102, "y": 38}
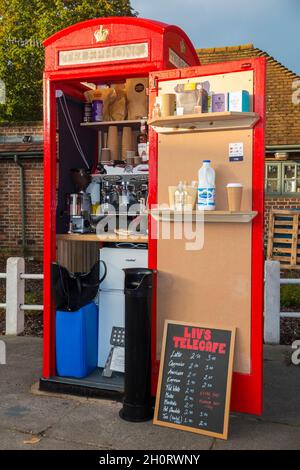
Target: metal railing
{"x": 15, "y": 295}
{"x": 272, "y": 302}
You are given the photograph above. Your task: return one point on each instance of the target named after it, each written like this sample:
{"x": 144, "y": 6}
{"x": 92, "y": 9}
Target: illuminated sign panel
{"x": 104, "y": 54}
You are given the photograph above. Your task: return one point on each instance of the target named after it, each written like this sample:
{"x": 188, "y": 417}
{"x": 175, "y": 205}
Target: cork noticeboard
{"x": 211, "y": 285}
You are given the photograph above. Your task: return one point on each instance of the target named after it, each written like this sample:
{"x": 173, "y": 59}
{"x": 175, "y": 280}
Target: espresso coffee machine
{"x": 123, "y": 193}
{"x": 80, "y": 204}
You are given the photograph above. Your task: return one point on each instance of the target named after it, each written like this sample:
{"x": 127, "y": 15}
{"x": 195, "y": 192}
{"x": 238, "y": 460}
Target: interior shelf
{"x": 169, "y": 215}
{"x": 105, "y": 237}
{"x": 135, "y": 124}
{"x": 204, "y": 122}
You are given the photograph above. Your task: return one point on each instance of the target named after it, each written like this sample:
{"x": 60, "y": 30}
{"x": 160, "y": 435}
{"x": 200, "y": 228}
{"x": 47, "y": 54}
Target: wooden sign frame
{"x": 224, "y": 435}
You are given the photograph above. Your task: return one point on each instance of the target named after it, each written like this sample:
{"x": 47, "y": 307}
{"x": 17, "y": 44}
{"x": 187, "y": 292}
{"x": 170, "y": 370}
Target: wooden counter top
{"x": 105, "y": 237}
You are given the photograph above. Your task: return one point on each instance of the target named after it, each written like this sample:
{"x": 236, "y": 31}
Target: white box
{"x": 239, "y": 101}
{"x": 116, "y": 259}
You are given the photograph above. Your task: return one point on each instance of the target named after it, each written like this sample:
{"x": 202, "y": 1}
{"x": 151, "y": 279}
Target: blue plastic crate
{"x": 77, "y": 342}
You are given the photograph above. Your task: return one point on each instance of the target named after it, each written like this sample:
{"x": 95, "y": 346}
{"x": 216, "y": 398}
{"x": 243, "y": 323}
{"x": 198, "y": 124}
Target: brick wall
{"x": 283, "y": 117}
{"x": 21, "y": 129}
{"x": 10, "y": 206}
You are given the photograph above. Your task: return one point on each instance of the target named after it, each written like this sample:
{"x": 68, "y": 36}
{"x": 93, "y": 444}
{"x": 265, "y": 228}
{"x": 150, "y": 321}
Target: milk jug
{"x": 206, "y": 187}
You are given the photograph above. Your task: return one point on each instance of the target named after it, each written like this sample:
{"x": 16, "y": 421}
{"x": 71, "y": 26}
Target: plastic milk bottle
{"x": 206, "y": 187}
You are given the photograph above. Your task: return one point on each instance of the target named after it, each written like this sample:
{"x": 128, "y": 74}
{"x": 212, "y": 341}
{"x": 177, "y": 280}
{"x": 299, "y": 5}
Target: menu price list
{"x": 194, "y": 378}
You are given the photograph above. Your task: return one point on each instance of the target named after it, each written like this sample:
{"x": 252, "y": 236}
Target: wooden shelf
{"x": 135, "y": 124}
{"x": 105, "y": 237}
{"x": 204, "y": 122}
{"x": 168, "y": 215}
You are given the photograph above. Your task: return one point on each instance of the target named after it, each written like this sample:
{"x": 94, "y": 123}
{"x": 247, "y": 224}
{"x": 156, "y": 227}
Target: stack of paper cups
{"x": 113, "y": 142}
{"x": 126, "y": 142}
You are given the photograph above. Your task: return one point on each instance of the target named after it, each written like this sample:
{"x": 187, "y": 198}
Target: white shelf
{"x": 168, "y": 215}
{"x": 204, "y": 122}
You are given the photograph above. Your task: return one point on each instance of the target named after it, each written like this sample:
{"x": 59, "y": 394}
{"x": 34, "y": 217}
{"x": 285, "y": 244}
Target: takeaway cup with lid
{"x": 234, "y": 195}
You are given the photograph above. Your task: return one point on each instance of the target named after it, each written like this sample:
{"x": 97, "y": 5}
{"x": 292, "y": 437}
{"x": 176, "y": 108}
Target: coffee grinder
{"x": 80, "y": 203}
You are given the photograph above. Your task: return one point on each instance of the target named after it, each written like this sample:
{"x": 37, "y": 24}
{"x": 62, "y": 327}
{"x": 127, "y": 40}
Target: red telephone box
{"x": 111, "y": 50}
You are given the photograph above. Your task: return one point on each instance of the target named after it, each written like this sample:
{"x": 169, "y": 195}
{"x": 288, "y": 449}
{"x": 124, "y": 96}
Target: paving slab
{"x": 52, "y": 444}
{"x": 28, "y": 413}
{"x": 255, "y": 434}
{"x": 281, "y": 387}
{"x": 24, "y": 362}
{"x": 15, "y": 440}
{"x": 101, "y": 425}
{"x": 277, "y": 353}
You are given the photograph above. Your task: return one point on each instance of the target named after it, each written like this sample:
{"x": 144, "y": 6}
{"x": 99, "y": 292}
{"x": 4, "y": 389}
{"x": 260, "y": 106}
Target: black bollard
{"x": 137, "y": 404}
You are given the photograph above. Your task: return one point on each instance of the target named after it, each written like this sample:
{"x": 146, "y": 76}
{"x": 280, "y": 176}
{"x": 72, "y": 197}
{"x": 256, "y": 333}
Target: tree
{"x": 23, "y": 27}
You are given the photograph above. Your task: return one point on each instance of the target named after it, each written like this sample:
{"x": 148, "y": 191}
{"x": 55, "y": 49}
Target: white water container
{"x": 206, "y": 187}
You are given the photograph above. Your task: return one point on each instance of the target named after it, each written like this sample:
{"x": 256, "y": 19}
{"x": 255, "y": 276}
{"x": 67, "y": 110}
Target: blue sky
{"x": 271, "y": 25}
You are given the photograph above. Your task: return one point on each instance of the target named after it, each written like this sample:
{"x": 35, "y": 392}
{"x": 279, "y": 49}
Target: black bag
{"x": 73, "y": 291}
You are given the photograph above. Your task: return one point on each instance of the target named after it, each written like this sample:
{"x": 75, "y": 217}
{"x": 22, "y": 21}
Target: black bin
{"x": 137, "y": 405}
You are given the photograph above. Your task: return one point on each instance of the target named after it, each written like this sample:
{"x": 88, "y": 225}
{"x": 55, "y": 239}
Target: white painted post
{"x": 272, "y": 302}
{"x": 15, "y": 296}
{"x": 2, "y": 353}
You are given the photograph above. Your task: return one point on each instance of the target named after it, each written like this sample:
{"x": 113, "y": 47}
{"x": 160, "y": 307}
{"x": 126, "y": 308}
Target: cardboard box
{"x": 239, "y": 101}
{"x": 219, "y": 102}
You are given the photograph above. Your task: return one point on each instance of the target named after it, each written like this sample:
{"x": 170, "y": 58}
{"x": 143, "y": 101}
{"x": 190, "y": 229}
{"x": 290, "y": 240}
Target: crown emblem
{"x": 101, "y": 34}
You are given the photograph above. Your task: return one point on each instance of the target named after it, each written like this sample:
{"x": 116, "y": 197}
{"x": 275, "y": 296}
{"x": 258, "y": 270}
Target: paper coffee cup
{"x": 168, "y": 104}
{"x": 234, "y": 195}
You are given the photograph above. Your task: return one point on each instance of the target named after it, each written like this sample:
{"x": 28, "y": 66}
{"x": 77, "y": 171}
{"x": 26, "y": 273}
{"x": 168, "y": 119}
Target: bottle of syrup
{"x": 142, "y": 142}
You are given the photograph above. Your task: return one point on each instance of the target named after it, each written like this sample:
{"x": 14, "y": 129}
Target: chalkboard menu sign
{"x": 195, "y": 378}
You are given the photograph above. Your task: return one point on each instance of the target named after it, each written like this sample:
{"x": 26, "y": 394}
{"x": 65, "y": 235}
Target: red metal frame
{"x": 49, "y": 222}
{"x": 122, "y": 31}
{"x": 247, "y": 389}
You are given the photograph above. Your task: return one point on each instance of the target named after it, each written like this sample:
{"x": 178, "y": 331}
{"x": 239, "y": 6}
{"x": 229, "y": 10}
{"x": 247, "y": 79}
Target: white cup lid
{"x": 234, "y": 185}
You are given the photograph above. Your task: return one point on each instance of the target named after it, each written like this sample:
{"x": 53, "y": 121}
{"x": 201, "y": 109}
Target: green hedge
{"x": 290, "y": 296}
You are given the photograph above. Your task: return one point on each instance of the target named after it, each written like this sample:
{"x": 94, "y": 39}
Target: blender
{"x": 80, "y": 202}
